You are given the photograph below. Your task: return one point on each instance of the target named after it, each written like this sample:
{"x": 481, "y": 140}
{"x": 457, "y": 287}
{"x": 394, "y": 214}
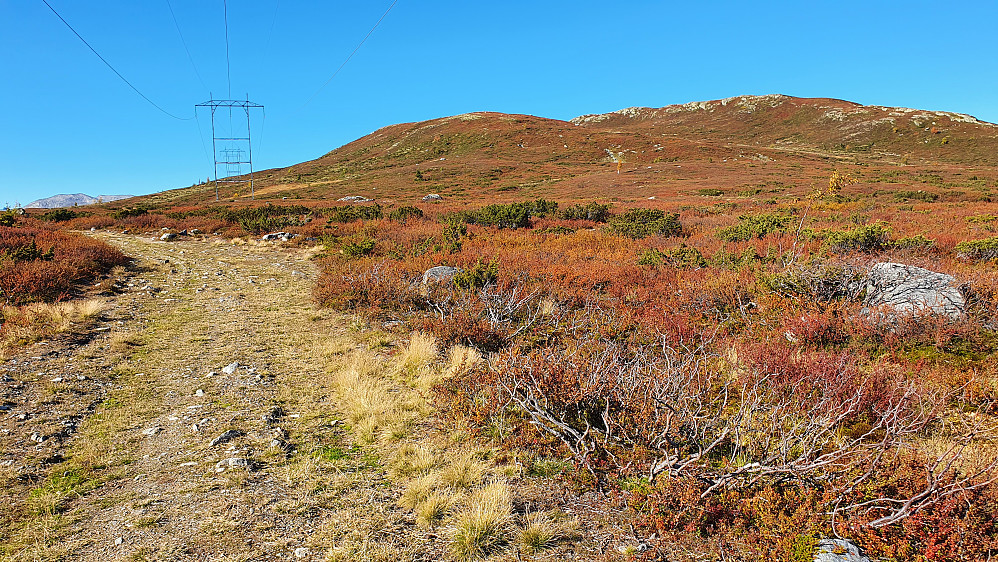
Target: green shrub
{"x": 357, "y": 249}
{"x": 916, "y": 196}
{"x": 350, "y": 213}
{"x": 683, "y": 257}
{"x": 640, "y": 223}
{"x": 555, "y": 230}
{"x": 27, "y": 252}
{"x": 595, "y": 212}
{"x": 754, "y": 226}
{"x": 129, "y": 212}
{"x": 478, "y": 275}
{"x": 710, "y": 192}
{"x": 8, "y": 218}
{"x": 455, "y": 229}
{"x": 513, "y": 215}
{"x": 917, "y": 242}
{"x": 403, "y": 214}
{"x": 59, "y": 215}
{"x": 982, "y": 250}
{"x": 868, "y": 238}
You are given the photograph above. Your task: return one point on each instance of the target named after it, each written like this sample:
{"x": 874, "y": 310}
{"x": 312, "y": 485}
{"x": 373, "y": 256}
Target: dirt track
{"x": 154, "y": 398}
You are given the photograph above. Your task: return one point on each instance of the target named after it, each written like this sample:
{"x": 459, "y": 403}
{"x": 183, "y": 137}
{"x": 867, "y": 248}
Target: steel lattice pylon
{"x": 231, "y": 155}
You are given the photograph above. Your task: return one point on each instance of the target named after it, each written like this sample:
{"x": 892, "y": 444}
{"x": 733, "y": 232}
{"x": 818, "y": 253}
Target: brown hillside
{"x": 732, "y": 143}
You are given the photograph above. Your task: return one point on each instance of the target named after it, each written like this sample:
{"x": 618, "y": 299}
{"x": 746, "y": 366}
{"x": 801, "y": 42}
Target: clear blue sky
{"x": 69, "y": 125}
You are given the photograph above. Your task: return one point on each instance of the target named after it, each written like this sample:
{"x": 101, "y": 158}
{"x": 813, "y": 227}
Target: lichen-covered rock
{"x": 431, "y": 197}
{"x": 440, "y": 274}
{"x": 896, "y": 289}
{"x": 838, "y": 550}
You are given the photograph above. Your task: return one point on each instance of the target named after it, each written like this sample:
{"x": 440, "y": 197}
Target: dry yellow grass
{"x": 33, "y": 322}
{"x": 485, "y": 525}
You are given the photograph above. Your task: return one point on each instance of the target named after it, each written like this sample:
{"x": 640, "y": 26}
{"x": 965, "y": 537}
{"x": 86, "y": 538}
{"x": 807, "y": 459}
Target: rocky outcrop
{"x": 896, "y": 290}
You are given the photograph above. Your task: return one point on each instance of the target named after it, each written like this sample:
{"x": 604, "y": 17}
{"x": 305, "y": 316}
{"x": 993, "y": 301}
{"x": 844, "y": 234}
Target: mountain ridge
{"x": 72, "y": 200}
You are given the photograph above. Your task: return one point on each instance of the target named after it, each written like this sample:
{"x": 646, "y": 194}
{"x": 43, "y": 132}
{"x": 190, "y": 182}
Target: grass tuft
{"x": 483, "y": 527}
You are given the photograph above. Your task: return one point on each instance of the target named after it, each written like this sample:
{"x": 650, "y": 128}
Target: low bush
{"x": 981, "y": 250}
{"x": 867, "y": 239}
{"x": 403, "y": 214}
{"x": 754, "y": 226}
{"x": 351, "y": 213}
{"x": 357, "y": 249}
{"x": 59, "y": 215}
{"x": 684, "y": 257}
{"x": 915, "y": 196}
{"x": 596, "y": 212}
{"x": 641, "y": 223}
{"x": 44, "y": 265}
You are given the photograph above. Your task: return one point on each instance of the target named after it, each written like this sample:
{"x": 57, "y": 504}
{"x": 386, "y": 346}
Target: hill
{"x": 732, "y": 142}
{"x": 73, "y": 200}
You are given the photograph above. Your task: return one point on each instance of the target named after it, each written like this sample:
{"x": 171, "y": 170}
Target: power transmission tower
{"x": 229, "y": 145}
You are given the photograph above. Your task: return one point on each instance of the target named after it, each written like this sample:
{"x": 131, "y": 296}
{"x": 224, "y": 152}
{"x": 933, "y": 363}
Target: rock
{"x": 57, "y": 379}
{"x": 273, "y": 415}
{"x": 231, "y": 463}
{"x": 199, "y": 392}
{"x": 301, "y": 552}
{"x": 440, "y": 274}
{"x": 152, "y": 430}
{"x": 194, "y": 231}
{"x": 118, "y": 541}
{"x": 93, "y": 229}
{"x": 275, "y": 236}
{"x": 230, "y": 368}
{"x": 37, "y": 437}
{"x": 905, "y": 290}
{"x": 838, "y": 550}
{"x": 355, "y": 199}
{"x": 167, "y": 236}
{"x": 432, "y": 197}
{"x": 226, "y": 437}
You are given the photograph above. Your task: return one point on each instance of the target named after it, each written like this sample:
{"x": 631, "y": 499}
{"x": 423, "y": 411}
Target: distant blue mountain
{"x": 72, "y": 200}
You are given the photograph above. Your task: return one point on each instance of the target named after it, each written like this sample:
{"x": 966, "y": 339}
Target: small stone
{"x": 230, "y": 368}
{"x": 118, "y": 541}
{"x": 152, "y": 430}
{"x": 57, "y": 379}
{"x": 81, "y": 378}
{"x": 226, "y": 437}
{"x": 231, "y": 463}
{"x": 167, "y": 236}
{"x": 199, "y": 392}
{"x": 301, "y": 552}
{"x": 37, "y": 437}
{"x": 195, "y": 428}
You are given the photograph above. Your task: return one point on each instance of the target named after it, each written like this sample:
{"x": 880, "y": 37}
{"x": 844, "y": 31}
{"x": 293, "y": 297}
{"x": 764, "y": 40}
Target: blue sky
{"x": 69, "y": 125}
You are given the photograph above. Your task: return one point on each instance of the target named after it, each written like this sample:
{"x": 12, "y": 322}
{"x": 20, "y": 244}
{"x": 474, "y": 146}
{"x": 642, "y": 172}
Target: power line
{"x": 189, "y": 57}
{"x": 123, "y": 79}
{"x": 228, "y": 73}
{"x": 359, "y": 45}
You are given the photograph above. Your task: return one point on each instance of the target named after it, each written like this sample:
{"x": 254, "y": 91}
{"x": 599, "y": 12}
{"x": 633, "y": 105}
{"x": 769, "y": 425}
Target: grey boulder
{"x": 838, "y": 550}
{"x": 898, "y": 290}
